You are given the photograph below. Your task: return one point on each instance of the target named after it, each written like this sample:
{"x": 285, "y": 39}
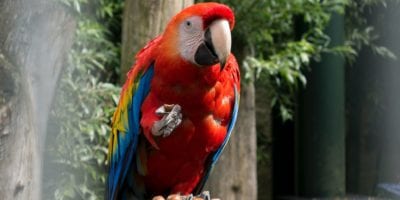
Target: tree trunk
{"x": 34, "y": 40}
{"x": 142, "y": 21}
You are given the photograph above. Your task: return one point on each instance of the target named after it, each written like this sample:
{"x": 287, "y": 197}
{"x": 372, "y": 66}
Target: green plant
{"x": 280, "y": 38}
{"x": 84, "y": 104}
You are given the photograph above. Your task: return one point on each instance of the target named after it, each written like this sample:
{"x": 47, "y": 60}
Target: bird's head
{"x": 201, "y": 34}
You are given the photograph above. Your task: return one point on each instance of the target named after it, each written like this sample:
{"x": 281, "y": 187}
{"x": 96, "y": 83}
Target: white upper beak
{"x": 221, "y": 39}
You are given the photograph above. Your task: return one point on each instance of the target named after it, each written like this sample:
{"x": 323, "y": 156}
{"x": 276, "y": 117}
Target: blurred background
{"x": 319, "y": 110}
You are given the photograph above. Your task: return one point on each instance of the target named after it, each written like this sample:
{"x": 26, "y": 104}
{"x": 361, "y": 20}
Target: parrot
{"x": 177, "y": 108}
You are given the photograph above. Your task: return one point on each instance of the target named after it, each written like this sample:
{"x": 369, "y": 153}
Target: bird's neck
{"x": 180, "y": 72}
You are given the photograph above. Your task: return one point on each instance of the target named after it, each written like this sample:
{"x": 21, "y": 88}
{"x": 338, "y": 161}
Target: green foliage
{"x": 83, "y": 114}
{"x": 359, "y": 32}
{"x": 280, "y": 38}
{"x": 84, "y": 105}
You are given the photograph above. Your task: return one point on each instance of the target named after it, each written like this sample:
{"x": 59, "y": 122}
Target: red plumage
{"x": 206, "y": 97}
{"x": 175, "y": 164}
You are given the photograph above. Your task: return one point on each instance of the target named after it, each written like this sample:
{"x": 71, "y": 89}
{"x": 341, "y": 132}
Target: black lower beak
{"x": 205, "y": 54}
{"x": 222, "y": 64}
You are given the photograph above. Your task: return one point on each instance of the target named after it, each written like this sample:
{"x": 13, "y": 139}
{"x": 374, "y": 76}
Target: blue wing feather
{"x": 127, "y": 142}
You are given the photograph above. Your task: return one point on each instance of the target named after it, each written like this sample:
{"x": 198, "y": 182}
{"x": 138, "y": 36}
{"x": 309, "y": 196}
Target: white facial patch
{"x": 191, "y": 35}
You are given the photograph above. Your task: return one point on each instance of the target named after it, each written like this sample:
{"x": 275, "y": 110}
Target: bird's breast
{"x": 206, "y": 113}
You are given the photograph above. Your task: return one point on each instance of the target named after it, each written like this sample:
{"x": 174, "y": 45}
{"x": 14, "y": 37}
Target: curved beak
{"x": 216, "y": 46}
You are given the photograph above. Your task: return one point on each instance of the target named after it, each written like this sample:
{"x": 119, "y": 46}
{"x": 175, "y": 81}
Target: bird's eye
{"x": 188, "y": 24}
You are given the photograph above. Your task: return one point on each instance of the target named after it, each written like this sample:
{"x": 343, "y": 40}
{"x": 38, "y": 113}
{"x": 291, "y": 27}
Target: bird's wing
{"x": 213, "y": 158}
{"x": 126, "y": 121}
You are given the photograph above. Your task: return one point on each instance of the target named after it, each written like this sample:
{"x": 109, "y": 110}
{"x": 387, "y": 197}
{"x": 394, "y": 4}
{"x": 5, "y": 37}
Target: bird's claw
{"x": 188, "y": 197}
{"x": 171, "y": 119}
{"x": 205, "y": 195}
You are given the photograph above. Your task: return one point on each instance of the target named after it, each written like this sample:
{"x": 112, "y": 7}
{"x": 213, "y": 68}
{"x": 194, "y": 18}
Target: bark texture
{"x": 142, "y": 21}
{"x": 35, "y": 37}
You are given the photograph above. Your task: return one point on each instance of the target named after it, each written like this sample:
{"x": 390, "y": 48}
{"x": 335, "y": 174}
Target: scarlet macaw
{"x": 177, "y": 107}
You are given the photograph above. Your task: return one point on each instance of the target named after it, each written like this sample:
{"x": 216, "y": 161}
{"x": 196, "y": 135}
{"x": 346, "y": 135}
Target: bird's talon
{"x": 172, "y": 117}
{"x": 205, "y": 195}
{"x": 188, "y": 197}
